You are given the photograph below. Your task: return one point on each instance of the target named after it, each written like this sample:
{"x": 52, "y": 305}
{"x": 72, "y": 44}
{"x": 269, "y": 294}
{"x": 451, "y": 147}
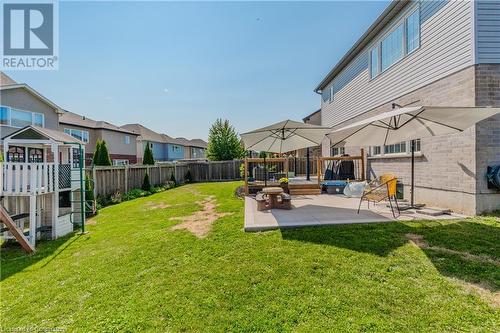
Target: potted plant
{"x": 284, "y": 185}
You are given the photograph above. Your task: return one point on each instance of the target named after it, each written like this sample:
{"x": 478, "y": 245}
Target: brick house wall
{"x": 450, "y": 171}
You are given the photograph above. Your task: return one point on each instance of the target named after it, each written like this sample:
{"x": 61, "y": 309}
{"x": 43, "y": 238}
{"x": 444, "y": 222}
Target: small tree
{"x": 188, "y": 178}
{"x": 223, "y": 142}
{"x": 146, "y": 185}
{"x": 101, "y": 154}
{"x": 148, "y": 158}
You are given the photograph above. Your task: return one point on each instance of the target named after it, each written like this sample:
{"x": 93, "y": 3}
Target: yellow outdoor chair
{"x": 381, "y": 189}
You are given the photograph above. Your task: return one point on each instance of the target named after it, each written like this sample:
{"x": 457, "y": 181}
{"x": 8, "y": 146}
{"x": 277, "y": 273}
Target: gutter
{"x": 388, "y": 14}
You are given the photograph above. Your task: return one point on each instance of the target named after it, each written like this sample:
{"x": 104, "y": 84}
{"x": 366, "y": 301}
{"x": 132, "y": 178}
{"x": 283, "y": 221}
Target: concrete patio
{"x": 324, "y": 209}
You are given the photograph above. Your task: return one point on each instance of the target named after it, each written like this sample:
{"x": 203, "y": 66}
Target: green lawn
{"x": 131, "y": 273}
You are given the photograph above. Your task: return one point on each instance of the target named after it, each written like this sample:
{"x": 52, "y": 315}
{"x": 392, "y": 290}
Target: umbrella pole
{"x": 412, "y": 173}
{"x": 412, "y": 184}
{"x": 308, "y": 170}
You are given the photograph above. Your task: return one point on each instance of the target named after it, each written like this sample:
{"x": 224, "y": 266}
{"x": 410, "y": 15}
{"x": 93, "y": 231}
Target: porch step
{"x": 305, "y": 191}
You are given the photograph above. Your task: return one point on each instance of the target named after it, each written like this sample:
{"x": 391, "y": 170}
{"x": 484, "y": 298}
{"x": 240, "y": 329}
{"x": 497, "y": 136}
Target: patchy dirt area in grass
{"x": 485, "y": 291}
{"x": 200, "y": 223}
{"x": 157, "y": 205}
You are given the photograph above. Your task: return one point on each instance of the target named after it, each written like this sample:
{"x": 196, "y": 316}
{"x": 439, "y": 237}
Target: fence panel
{"x": 109, "y": 180}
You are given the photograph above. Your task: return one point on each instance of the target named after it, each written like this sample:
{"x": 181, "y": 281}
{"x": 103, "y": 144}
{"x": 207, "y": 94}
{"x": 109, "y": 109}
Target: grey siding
{"x": 446, "y": 47}
{"x": 429, "y": 8}
{"x": 488, "y": 32}
{"x": 20, "y": 98}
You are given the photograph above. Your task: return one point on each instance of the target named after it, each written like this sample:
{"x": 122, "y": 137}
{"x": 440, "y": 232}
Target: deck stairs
{"x": 304, "y": 189}
{"x": 9, "y": 224}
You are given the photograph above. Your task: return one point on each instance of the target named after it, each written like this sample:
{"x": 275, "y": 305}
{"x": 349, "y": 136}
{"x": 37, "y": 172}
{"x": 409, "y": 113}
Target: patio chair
{"x": 381, "y": 189}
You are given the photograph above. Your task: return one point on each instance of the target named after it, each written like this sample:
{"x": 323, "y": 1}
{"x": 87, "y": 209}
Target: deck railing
{"x": 27, "y": 178}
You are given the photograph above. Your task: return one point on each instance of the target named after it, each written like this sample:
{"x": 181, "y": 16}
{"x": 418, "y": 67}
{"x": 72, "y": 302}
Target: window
{"x": 413, "y": 32}
{"x": 76, "y": 157}
{"x": 325, "y": 94}
{"x": 401, "y": 41}
{"x": 417, "y": 145}
{"x": 38, "y": 119}
{"x": 395, "y": 148}
{"x": 35, "y": 155}
{"x": 78, "y": 134}
{"x": 392, "y": 47}
{"x": 374, "y": 62}
{"x": 127, "y": 139}
{"x": 336, "y": 151}
{"x": 120, "y": 162}
{"x": 20, "y": 118}
{"x": 4, "y": 115}
{"x": 15, "y": 154}
{"x": 398, "y": 148}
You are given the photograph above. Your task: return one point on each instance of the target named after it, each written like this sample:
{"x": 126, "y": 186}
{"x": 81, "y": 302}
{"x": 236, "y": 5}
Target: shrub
{"x": 116, "y": 198}
{"x": 101, "y": 154}
{"x": 242, "y": 170}
{"x": 172, "y": 179}
{"x": 146, "y": 185}
{"x": 135, "y": 193}
{"x": 148, "y": 158}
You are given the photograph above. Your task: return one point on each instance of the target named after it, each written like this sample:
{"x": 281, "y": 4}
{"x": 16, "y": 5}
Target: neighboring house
{"x": 431, "y": 53}
{"x": 121, "y": 143}
{"x": 164, "y": 147}
{"x": 313, "y": 119}
{"x": 21, "y": 106}
{"x": 194, "y": 149}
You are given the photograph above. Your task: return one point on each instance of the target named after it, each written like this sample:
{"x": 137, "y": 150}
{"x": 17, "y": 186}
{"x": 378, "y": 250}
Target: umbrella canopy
{"x": 410, "y": 123}
{"x": 284, "y": 136}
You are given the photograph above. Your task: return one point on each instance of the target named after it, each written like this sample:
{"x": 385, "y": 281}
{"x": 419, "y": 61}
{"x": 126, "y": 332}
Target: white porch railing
{"x": 27, "y": 178}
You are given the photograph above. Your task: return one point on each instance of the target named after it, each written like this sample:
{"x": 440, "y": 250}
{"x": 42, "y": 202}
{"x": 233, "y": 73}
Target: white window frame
{"x": 418, "y": 149}
{"x": 402, "y": 21}
{"x": 119, "y": 162}
{"x": 70, "y": 132}
{"x": 9, "y": 116}
{"x": 340, "y": 151}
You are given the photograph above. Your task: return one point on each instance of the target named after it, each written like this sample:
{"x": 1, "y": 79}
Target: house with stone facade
{"x": 432, "y": 53}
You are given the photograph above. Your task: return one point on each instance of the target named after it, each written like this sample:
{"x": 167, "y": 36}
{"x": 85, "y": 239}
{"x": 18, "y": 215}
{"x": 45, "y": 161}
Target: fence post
{"x": 126, "y": 178}
{"x": 94, "y": 179}
{"x": 245, "y": 176}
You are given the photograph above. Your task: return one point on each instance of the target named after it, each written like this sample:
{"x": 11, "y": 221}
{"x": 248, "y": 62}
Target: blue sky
{"x": 176, "y": 67}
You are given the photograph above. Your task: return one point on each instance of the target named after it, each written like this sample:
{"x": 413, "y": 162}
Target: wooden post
{"x": 245, "y": 176}
{"x": 126, "y": 178}
{"x": 318, "y": 167}
{"x": 286, "y": 167}
{"x": 363, "y": 173}
{"x": 94, "y": 179}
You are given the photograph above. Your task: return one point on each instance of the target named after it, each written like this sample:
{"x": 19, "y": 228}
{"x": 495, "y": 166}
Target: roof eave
{"x": 389, "y": 13}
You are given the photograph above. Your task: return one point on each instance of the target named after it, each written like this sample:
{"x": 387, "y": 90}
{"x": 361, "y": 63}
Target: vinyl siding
{"x": 446, "y": 47}
{"x": 488, "y": 31}
{"x": 21, "y": 99}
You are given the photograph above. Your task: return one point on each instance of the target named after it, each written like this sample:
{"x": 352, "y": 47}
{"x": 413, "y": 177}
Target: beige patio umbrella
{"x": 284, "y": 136}
{"x": 410, "y": 123}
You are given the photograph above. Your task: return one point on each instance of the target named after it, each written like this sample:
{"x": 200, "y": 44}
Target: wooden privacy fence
{"x": 112, "y": 179}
